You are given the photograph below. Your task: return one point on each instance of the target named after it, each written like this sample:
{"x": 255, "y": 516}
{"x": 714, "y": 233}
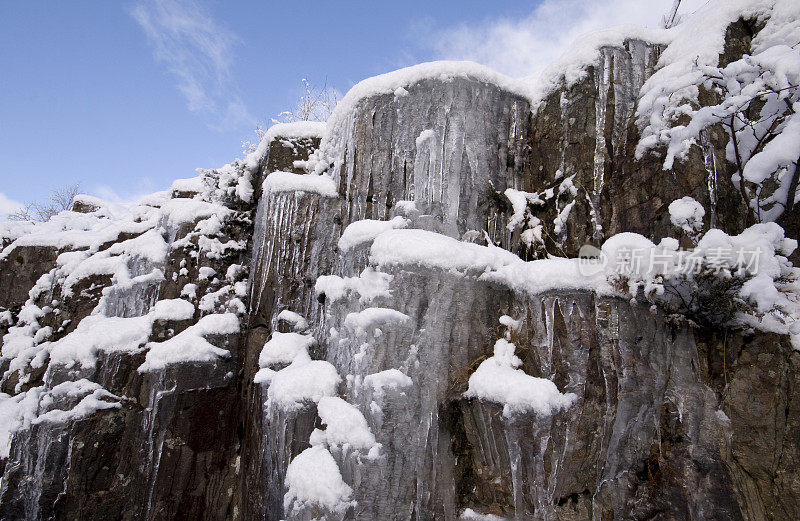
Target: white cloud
{"x": 144, "y": 186}
{"x": 8, "y": 206}
{"x": 199, "y": 54}
{"x": 525, "y": 46}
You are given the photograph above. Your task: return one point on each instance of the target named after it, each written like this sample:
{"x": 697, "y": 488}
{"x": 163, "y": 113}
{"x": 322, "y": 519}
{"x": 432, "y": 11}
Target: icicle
{"x": 710, "y": 162}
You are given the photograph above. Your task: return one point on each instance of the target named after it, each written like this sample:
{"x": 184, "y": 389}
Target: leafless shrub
{"x": 314, "y": 105}
{"x": 60, "y": 199}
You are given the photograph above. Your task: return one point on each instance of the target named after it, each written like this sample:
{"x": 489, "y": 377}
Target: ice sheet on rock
{"x": 190, "y": 344}
{"x": 345, "y": 427}
{"x": 458, "y": 132}
{"x": 499, "y": 380}
{"x": 282, "y": 348}
{"x": 313, "y": 480}
{"x": 321, "y": 184}
{"x": 366, "y": 230}
{"x": 16, "y": 412}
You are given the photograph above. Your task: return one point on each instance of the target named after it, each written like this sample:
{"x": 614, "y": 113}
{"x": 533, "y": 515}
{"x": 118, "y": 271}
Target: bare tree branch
{"x": 60, "y": 199}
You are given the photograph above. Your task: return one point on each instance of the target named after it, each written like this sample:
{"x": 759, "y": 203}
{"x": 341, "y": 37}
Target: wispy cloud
{"x": 8, "y": 206}
{"x": 198, "y": 52}
{"x": 524, "y": 46}
{"x": 143, "y": 186}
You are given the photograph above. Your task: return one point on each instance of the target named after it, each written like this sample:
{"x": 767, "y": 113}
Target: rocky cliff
{"x": 382, "y": 317}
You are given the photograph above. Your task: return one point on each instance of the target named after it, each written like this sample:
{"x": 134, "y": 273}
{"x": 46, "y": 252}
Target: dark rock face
{"x": 20, "y": 271}
{"x": 669, "y": 423}
{"x": 588, "y": 130}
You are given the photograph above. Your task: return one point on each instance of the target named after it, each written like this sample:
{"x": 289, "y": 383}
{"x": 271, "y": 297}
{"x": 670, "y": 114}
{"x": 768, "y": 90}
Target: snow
{"x": 779, "y": 153}
{"x": 471, "y": 515}
{"x": 205, "y": 273}
{"x": 190, "y": 185}
{"x": 313, "y": 479}
{"x": 297, "y": 321}
{"x": 282, "y": 348}
{"x": 561, "y": 219}
{"x": 71, "y": 230}
{"x": 519, "y": 205}
{"x": 296, "y": 130}
{"x": 345, "y": 427}
{"x": 498, "y": 380}
{"x": 424, "y": 136}
{"x": 687, "y": 214}
{"x": 755, "y": 97}
{"x": 111, "y": 334}
{"x": 370, "y": 284}
{"x": 190, "y": 345}
{"x": 406, "y": 207}
{"x": 322, "y": 184}
{"x": 264, "y": 375}
{"x": 38, "y": 405}
{"x": 189, "y": 290}
{"x": 618, "y": 248}
{"x": 432, "y": 250}
{"x": 510, "y": 323}
{"x": 304, "y": 380}
{"x": 758, "y": 256}
{"x": 370, "y": 318}
{"x": 388, "y": 379}
{"x": 764, "y": 288}
{"x": 89, "y": 200}
{"x": 406, "y": 78}
{"x": 572, "y": 66}
{"x": 419, "y": 248}
{"x": 177, "y": 212}
{"x": 92, "y": 396}
{"x": 366, "y": 230}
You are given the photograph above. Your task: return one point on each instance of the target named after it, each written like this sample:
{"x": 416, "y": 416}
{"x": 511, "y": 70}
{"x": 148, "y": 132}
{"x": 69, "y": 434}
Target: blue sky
{"x": 124, "y": 97}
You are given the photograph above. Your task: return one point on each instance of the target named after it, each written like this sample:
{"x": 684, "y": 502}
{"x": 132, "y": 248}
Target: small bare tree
{"x": 314, "y": 105}
{"x": 251, "y": 146}
{"x": 60, "y": 199}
